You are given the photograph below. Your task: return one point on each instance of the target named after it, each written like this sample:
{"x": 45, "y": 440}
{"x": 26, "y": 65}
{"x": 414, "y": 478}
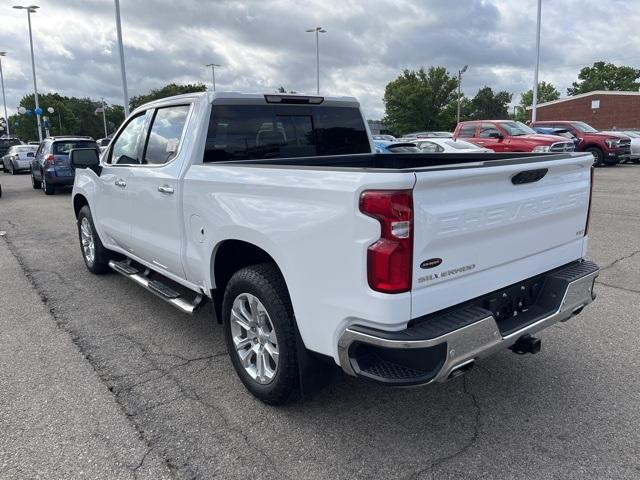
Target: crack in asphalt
{"x": 139, "y": 466}
{"x": 618, "y": 260}
{"x": 630, "y": 290}
{"x": 190, "y": 394}
{"x": 464, "y": 448}
{"x": 64, "y": 326}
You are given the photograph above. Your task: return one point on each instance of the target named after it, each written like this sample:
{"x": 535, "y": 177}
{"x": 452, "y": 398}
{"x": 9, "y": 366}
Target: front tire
{"x": 259, "y": 329}
{"x": 598, "y": 156}
{"x": 95, "y": 255}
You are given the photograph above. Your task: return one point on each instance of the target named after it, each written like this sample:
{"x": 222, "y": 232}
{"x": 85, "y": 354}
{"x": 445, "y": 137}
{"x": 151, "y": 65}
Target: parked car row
{"x": 607, "y": 147}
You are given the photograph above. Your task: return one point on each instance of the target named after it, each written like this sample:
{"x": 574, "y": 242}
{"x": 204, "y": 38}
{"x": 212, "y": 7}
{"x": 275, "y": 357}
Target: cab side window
{"x": 488, "y": 130}
{"x": 126, "y": 148}
{"x": 165, "y": 134}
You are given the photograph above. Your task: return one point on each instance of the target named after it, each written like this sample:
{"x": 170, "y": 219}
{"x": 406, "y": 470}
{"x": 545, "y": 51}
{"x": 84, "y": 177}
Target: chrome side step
{"x": 158, "y": 288}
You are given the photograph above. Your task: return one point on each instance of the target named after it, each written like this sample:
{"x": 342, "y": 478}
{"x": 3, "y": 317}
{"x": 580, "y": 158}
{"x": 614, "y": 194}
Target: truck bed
{"x": 406, "y": 162}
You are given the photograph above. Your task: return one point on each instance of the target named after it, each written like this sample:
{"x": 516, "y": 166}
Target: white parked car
{"x": 448, "y": 145}
{"x": 18, "y": 158}
{"x": 400, "y": 269}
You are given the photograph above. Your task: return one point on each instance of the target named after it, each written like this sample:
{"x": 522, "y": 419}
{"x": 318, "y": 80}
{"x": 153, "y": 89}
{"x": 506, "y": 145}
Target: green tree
{"x": 487, "y": 105}
{"x": 420, "y": 100}
{"x": 166, "y": 91}
{"x": 71, "y": 116}
{"x": 547, "y": 92}
{"x": 605, "y": 76}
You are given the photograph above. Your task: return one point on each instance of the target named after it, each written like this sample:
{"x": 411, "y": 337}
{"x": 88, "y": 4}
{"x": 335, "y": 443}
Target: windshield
{"x": 583, "y": 127}
{"x": 516, "y": 129}
{"x": 462, "y": 145}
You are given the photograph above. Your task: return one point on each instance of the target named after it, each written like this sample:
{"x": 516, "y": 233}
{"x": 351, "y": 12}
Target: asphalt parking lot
{"x": 162, "y": 399}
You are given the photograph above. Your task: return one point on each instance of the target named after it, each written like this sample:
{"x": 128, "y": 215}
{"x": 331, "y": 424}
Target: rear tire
{"x": 36, "y": 184}
{"x": 48, "y": 188}
{"x": 96, "y": 256}
{"x": 259, "y": 329}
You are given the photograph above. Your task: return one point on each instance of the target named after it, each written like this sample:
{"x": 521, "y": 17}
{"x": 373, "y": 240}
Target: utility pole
{"x": 4, "y": 99}
{"x": 104, "y": 117}
{"x": 460, "y": 72}
{"x": 534, "y": 106}
{"x": 317, "y": 31}
{"x": 213, "y": 73}
{"x": 32, "y": 9}
{"x": 122, "y": 69}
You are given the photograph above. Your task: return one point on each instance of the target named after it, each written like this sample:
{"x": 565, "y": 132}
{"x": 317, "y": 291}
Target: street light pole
{"x": 4, "y": 99}
{"x": 122, "y": 69}
{"x": 32, "y": 9}
{"x": 534, "y": 106}
{"x": 213, "y": 73}
{"x": 104, "y": 118}
{"x": 317, "y": 31}
{"x": 460, "y": 72}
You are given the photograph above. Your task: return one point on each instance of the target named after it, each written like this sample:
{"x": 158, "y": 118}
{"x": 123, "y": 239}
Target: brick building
{"x": 604, "y": 110}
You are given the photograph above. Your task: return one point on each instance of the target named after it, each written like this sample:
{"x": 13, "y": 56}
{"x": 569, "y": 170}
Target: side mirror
{"x": 84, "y": 158}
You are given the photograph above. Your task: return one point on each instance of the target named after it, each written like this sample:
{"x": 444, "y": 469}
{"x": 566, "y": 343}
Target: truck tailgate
{"x": 481, "y": 228}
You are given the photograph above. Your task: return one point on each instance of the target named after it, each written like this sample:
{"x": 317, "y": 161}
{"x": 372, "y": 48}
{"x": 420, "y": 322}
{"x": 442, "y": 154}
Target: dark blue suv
{"x": 50, "y": 167}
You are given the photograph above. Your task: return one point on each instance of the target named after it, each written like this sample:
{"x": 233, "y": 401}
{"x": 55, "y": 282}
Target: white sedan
{"x": 18, "y": 158}
{"x": 448, "y": 145}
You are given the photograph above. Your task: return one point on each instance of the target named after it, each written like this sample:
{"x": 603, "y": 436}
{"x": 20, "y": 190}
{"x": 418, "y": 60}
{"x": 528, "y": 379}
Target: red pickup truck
{"x": 608, "y": 149}
{"x": 510, "y": 136}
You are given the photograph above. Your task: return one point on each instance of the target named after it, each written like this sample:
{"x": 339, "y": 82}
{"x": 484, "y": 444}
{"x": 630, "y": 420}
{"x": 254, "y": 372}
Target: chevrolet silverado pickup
{"x": 402, "y": 269}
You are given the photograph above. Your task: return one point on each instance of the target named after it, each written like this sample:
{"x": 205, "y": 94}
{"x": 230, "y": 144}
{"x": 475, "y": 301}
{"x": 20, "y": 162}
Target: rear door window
{"x": 467, "y": 131}
{"x": 165, "y": 134}
{"x": 246, "y": 132}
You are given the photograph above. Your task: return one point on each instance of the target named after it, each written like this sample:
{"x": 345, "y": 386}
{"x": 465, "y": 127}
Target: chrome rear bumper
{"x": 479, "y": 336}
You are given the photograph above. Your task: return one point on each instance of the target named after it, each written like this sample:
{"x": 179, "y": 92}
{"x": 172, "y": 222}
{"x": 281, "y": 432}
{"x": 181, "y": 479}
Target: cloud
{"x": 262, "y": 44}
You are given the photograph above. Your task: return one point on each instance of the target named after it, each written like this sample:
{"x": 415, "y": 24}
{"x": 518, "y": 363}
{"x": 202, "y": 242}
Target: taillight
{"x": 49, "y": 159}
{"x": 586, "y": 226}
{"x": 389, "y": 260}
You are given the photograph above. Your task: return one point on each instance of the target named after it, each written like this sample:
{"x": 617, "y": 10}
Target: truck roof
{"x": 239, "y": 98}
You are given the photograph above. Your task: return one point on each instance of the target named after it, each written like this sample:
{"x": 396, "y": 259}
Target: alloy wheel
{"x": 254, "y": 338}
{"x": 86, "y": 239}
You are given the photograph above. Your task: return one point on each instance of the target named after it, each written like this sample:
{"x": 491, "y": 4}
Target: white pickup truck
{"x": 402, "y": 269}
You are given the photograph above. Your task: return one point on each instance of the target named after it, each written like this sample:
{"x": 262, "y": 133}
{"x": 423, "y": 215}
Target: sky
{"x": 262, "y": 44}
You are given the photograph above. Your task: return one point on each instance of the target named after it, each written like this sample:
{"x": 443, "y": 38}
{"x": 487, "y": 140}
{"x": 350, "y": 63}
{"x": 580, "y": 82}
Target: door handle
{"x": 165, "y": 189}
{"x": 121, "y": 183}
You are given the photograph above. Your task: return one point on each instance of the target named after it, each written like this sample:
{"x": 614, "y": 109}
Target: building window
{"x": 595, "y": 104}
